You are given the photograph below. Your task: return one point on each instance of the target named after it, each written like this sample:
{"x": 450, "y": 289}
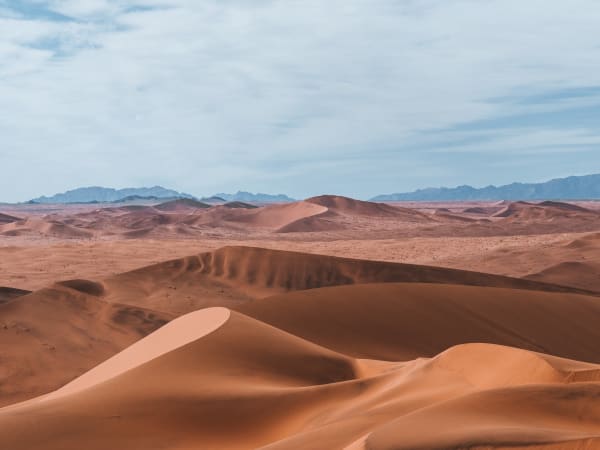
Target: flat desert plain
{"x": 328, "y": 323}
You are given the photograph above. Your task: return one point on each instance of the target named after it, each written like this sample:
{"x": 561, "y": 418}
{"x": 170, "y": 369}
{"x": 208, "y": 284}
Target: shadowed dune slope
{"x": 400, "y": 321}
{"x": 222, "y": 380}
{"x": 583, "y": 274}
{"x": 5, "y": 218}
{"x": 51, "y": 336}
{"x": 8, "y": 293}
{"x": 181, "y": 204}
{"x": 241, "y": 205}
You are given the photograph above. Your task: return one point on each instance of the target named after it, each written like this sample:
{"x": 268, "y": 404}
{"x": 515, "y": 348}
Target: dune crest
{"x": 221, "y": 380}
{"x": 173, "y": 335}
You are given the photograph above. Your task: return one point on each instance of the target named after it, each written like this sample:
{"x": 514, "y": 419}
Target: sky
{"x": 303, "y": 97}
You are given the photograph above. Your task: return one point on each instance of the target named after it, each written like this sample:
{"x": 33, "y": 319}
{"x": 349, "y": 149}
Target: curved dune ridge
{"x": 173, "y": 335}
{"x": 401, "y": 321}
{"x": 586, "y": 273}
{"x": 299, "y": 351}
{"x": 278, "y": 216}
{"x": 57, "y": 333}
{"x": 346, "y": 205}
{"x": 229, "y": 275}
{"x": 219, "y": 379}
{"x": 548, "y": 210}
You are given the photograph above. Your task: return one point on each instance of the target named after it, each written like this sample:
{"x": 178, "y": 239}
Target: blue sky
{"x": 354, "y": 97}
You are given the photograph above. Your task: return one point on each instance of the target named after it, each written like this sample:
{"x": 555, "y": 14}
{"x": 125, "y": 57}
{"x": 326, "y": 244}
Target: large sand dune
{"x": 243, "y": 347}
{"x": 53, "y": 335}
{"x": 231, "y": 275}
{"x": 399, "y": 321}
{"x": 53, "y": 327}
{"x": 223, "y": 380}
{"x": 5, "y": 218}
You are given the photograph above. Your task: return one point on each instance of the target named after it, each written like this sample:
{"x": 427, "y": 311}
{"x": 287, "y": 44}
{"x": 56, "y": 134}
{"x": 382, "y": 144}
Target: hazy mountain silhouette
{"x": 571, "y": 188}
{"x": 102, "y": 194}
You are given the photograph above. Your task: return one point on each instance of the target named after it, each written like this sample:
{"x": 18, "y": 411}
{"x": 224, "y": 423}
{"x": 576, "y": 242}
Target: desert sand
{"x": 322, "y": 324}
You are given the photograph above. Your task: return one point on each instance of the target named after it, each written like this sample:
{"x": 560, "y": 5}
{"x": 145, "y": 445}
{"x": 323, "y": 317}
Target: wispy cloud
{"x": 356, "y": 96}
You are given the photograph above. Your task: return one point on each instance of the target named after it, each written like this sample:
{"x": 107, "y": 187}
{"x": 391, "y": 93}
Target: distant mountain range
{"x": 571, "y": 188}
{"x": 97, "y": 194}
{"x": 241, "y": 196}
{"x": 102, "y": 194}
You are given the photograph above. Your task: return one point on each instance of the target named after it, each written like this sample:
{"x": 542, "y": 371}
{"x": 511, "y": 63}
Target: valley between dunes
{"x": 303, "y": 333}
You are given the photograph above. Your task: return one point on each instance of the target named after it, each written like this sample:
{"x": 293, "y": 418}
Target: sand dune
{"x": 400, "y": 321}
{"x": 182, "y": 204}
{"x": 585, "y": 275}
{"x": 244, "y": 347}
{"x": 546, "y": 210}
{"x": 324, "y": 217}
{"x": 222, "y": 380}
{"x": 143, "y": 299}
{"x": 242, "y": 205}
{"x": 277, "y": 216}
{"x": 483, "y": 210}
{"x": 51, "y": 228}
{"x": 444, "y": 214}
{"x": 350, "y": 208}
{"x": 5, "y": 218}
{"x": 53, "y": 335}
{"x": 566, "y": 261}
{"x": 8, "y": 293}
{"x": 231, "y": 275}
{"x": 346, "y": 205}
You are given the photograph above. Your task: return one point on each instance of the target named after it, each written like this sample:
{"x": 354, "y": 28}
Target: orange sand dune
{"x": 585, "y": 275}
{"x": 277, "y": 216}
{"x": 566, "y": 261}
{"x": 400, "y": 321}
{"x": 143, "y": 299}
{"x": 53, "y": 335}
{"x": 309, "y": 352}
{"x": 346, "y": 205}
{"x": 5, "y": 218}
{"x": 222, "y": 380}
{"x": 231, "y": 275}
{"x": 8, "y": 293}
{"x": 546, "y": 210}
{"x": 51, "y": 228}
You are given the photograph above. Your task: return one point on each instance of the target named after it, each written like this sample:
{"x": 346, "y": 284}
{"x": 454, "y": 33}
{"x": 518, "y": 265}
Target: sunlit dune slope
{"x": 55, "y": 334}
{"x": 221, "y": 380}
